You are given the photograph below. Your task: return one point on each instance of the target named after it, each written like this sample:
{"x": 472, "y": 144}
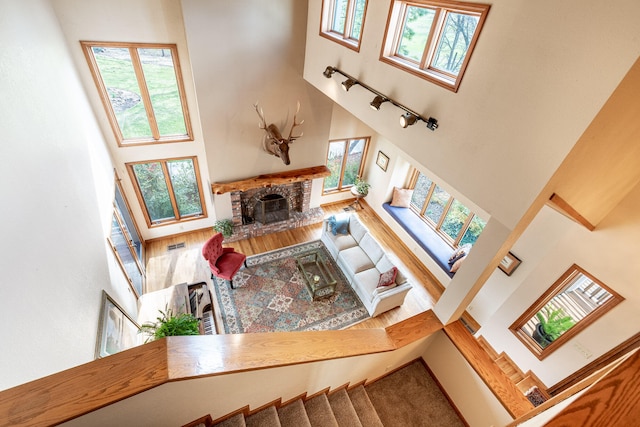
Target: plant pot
{"x": 540, "y": 337}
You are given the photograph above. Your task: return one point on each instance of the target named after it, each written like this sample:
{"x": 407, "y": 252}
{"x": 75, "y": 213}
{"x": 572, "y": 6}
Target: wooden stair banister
{"x": 77, "y": 391}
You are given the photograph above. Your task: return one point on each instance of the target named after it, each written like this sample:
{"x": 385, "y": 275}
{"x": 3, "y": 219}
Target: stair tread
{"x": 267, "y": 417}
{"x": 343, "y": 409}
{"x": 294, "y": 415}
{"x": 364, "y": 408}
{"x": 319, "y": 412}
{"x": 235, "y": 421}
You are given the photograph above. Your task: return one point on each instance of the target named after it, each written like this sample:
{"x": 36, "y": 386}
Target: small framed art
{"x": 117, "y": 331}
{"x": 509, "y": 264}
{"x": 382, "y": 161}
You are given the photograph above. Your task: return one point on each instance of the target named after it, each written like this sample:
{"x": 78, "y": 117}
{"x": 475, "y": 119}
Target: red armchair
{"x": 223, "y": 262}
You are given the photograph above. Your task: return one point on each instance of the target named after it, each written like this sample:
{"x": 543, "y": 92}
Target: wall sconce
{"x": 377, "y": 101}
{"x": 409, "y": 118}
{"x": 346, "y": 85}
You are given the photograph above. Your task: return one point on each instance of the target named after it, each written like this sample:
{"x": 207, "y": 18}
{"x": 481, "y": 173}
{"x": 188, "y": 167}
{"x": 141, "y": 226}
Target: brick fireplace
{"x": 293, "y": 187}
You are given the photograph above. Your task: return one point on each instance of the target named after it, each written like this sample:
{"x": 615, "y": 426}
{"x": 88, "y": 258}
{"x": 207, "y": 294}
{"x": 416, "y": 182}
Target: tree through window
{"x": 142, "y": 90}
{"x": 169, "y": 190}
{"x": 342, "y": 21}
{"x": 345, "y": 161}
{"x": 433, "y": 39}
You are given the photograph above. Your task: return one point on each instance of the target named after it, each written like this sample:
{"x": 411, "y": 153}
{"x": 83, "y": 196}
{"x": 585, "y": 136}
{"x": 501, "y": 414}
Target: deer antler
{"x": 260, "y": 112}
{"x": 292, "y": 138}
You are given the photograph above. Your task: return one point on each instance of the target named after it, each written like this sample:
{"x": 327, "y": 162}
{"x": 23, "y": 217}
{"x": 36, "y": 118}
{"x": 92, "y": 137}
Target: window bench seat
{"x": 424, "y": 235}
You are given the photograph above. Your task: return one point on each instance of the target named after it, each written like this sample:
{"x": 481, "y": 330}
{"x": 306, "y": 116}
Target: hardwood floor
{"x": 166, "y": 268}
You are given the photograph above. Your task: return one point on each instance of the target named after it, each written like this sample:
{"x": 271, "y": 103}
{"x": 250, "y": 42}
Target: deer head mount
{"x": 273, "y": 142}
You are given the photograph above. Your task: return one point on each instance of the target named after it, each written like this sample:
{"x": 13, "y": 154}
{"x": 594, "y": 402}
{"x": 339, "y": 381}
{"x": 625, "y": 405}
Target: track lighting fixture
{"x": 409, "y": 117}
{"x": 377, "y": 101}
{"x": 346, "y": 85}
{"x": 328, "y": 72}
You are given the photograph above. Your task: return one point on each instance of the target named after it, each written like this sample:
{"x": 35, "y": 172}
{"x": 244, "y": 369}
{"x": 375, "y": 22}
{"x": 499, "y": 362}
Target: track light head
{"x": 432, "y": 124}
{"x": 346, "y": 85}
{"x": 407, "y": 119}
{"x": 328, "y": 72}
{"x": 377, "y": 101}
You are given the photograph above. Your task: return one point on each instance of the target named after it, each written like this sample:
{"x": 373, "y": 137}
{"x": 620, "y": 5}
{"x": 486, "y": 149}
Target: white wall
{"x": 522, "y": 103}
{"x": 142, "y": 21}
{"x": 607, "y": 253}
{"x": 246, "y": 51}
{"x": 57, "y": 188}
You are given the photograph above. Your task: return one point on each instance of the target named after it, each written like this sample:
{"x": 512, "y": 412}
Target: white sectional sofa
{"x": 362, "y": 260}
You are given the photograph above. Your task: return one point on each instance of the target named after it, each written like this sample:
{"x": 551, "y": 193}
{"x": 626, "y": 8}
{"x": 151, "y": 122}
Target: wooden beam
{"x": 559, "y": 204}
{"x": 272, "y": 179}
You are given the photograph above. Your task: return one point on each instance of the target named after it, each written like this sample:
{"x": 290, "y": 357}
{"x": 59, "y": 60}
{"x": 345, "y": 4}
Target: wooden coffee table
{"x": 320, "y": 282}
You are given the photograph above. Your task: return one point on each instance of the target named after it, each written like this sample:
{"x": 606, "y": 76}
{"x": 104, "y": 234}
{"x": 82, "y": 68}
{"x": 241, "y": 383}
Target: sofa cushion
{"x": 356, "y": 228}
{"x": 371, "y": 248}
{"x": 367, "y": 281}
{"x": 355, "y": 260}
{"x": 388, "y": 278}
{"x": 343, "y": 241}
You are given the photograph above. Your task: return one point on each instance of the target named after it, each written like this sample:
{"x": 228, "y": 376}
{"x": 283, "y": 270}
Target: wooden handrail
{"x": 85, "y": 388}
{"x": 513, "y": 400}
{"x": 271, "y": 180}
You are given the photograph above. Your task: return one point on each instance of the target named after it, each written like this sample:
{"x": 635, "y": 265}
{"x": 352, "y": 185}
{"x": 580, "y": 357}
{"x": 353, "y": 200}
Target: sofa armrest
{"x": 392, "y": 298}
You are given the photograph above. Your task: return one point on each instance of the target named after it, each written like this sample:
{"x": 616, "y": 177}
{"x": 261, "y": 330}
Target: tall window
{"x": 343, "y": 20}
{"x": 169, "y": 190}
{"x": 453, "y": 220}
{"x": 433, "y": 39}
{"x": 141, "y": 88}
{"x": 345, "y": 161}
{"x": 571, "y": 304}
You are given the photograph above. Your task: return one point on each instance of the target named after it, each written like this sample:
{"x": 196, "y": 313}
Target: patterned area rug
{"x": 271, "y": 296}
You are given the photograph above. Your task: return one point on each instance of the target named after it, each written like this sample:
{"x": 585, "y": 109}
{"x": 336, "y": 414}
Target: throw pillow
{"x": 456, "y": 265}
{"x": 388, "y": 278}
{"x": 456, "y": 256}
{"x": 331, "y": 223}
{"x": 341, "y": 226}
{"x": 401, "y": 197}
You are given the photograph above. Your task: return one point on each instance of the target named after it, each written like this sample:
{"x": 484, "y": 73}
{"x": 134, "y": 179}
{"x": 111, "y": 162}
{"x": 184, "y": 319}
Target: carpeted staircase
{"x": 407, "y": 397}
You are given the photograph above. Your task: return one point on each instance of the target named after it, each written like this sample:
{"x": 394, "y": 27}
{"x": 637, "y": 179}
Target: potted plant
{"x": 224, "y": 226}
{"x": 551, "y": 325}
{"x": 362, "y": 187}
{"x": 169, "y": 325}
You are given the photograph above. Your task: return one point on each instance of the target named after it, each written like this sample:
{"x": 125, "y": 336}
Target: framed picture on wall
{"x": 509, "y": 264}
{"x": 117, "y": 331}
{"x": 382, "y": 161}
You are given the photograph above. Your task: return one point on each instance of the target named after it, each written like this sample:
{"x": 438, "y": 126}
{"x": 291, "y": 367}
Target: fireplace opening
{"x": 271, "y": 208}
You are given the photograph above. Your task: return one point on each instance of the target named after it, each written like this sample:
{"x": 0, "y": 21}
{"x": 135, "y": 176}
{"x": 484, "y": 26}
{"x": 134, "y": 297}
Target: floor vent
{"x": 176, "y": 246}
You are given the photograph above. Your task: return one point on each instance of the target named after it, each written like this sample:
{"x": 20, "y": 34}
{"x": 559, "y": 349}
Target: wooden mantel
{"x": 270, "y": 180}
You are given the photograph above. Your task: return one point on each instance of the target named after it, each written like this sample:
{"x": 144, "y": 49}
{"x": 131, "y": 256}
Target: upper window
{"x": 169, "y": 190}
{"x": 343, "y": 20}
{"x": 433, "y": 39}
{"x": 345, "y": 161}
{"x": 141, "y": 88}
{"x": 451, "y": 219}
{"x": 574, "y": 301}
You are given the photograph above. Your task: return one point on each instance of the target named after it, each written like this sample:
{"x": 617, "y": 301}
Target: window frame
{"x": 87, "y": 47}
{"x": 454, "y": 243}
{"x": 326, "y": 18}
{"x": 424, "y": 69}
{"x": 340, "y": 187}
{"x": 555, "y": 289}
{"x": 177, "y": 217}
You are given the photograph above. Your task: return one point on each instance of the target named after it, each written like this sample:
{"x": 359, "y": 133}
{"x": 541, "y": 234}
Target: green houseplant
{"x": 551, "y": 324}
{"x": 362, "y": 187}
{"x": 224, "y": 226}
{"x": 169, "y": 325}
